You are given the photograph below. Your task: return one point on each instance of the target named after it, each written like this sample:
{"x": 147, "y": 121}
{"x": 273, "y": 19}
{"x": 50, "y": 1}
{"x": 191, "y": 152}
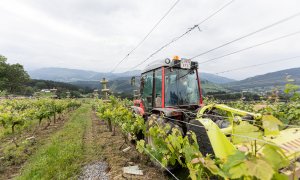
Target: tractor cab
{"x": 171, "y": 84}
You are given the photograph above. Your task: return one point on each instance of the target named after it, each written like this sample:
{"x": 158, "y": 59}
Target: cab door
{"x": 147, "y": 90}
{"x": 158, "y": 84}
{"x": 151, "y": 89}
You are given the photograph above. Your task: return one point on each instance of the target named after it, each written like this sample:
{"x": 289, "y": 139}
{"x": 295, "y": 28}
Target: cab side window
{"x": 157, "y": 88}
{"x": 171, "y": 87}
{"x": 147, "y": 89}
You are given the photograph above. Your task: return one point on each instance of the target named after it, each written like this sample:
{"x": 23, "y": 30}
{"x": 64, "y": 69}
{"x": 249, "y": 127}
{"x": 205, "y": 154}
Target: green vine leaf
{"x": 234, "y": 166}
{"x": 140, "y": 146}
{"x": 275, "y": 156}
{"x": 271, "y": 125}
{"x": 244, "y": 130}
{"x": 259, "y": 168}
{"x": 278, "y": 176}
{"x": 238, "y": 171}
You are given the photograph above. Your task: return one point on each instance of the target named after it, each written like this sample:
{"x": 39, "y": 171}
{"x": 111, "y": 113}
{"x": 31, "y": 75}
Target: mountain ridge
{"x": 271, "y": 79}
{"x": 120, "y": 82}
{"x": 73, "y": 75}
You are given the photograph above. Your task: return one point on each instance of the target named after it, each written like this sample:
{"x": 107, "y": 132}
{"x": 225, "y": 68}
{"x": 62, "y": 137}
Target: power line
{"x": 253, "y": 81}
{"x": 160, "y": 163}
{"x": 249, "y": 34}
{"x": 237, "y": 135}
{"x": 148, "y": 34}
{"x": 156, "y": 159}
{"x": 255, "y": 65}
{"x": 196, "y": 26}
{"x": 226, "y": 117}
{"x": 250, "y": 47}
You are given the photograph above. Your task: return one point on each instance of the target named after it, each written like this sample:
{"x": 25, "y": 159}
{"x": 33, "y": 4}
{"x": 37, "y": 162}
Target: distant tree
{"x": 75, "y": 94}
{"x": 292, "y": 91}
{"x": 16, "y": 76}
{"x": 12, "y": 76}
{"x": 3, "y": 93}
{"x": 28, "y": 91}
{"x": 41, "y": 85}
{"x": 15, "y": 80}
{"x": 3, "y": 67}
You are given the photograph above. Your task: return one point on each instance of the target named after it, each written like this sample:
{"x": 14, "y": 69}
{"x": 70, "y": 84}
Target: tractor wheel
{"x": 149, "y": 123}
{"x": 161, "y": 122}
{"x": 149, "y": 139}
{"x": 139, "y": 135}
{"x": 203, "y": 141}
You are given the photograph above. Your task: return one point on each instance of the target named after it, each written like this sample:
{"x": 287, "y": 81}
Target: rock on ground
{"x": 96, "y": 171}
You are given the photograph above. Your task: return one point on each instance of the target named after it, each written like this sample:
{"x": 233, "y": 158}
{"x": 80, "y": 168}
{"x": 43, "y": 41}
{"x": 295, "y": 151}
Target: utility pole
{"x": 105, "y": 99}
{"x": 105, "y": 90}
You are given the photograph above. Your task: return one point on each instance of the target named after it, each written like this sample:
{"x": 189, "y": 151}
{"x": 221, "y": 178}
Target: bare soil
{"x": 108, "y": 152}
{"x": 103, "y": 156}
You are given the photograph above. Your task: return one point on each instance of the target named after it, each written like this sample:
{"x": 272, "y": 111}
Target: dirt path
{"x": 106, "y": 159}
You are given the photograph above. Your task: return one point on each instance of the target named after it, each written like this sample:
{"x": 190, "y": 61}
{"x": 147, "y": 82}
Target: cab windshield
{"x": 181, "y": 87}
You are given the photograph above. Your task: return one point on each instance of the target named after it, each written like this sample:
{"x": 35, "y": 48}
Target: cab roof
{"x": 167, "y": 63}
{"x": 157, "y": 64}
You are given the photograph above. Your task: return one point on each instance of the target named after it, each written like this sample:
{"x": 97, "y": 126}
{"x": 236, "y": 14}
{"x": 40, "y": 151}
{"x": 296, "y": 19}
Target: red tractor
{"x": 172, "y": 89}
{"x": 171, "y": 94}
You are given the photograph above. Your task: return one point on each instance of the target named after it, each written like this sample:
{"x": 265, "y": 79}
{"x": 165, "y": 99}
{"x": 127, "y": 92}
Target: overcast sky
{"x": 96, "y": 34}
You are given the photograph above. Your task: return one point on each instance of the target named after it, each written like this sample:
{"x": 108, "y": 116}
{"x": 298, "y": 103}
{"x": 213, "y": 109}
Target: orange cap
{"x": 176, "y": 58}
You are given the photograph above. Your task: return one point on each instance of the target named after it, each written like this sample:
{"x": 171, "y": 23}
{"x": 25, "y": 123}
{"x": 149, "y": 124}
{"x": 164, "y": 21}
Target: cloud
{"x": 95, "y": 35}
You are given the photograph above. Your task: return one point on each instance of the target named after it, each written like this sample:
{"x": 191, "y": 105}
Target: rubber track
{"x": 203, "y": 141}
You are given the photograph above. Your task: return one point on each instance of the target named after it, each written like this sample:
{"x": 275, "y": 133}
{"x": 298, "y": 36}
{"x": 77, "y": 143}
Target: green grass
{"x": 61, "y": 156}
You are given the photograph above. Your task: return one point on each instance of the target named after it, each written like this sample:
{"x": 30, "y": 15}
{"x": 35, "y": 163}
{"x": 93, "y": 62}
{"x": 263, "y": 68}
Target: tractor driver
{"x": 176, "y": 88}
{"x": 182, "y": 85}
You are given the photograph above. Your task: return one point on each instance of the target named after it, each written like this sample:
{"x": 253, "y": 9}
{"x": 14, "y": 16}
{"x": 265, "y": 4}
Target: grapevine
{"x": 18, "y": 114}
{"x": 170, "y": 147}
